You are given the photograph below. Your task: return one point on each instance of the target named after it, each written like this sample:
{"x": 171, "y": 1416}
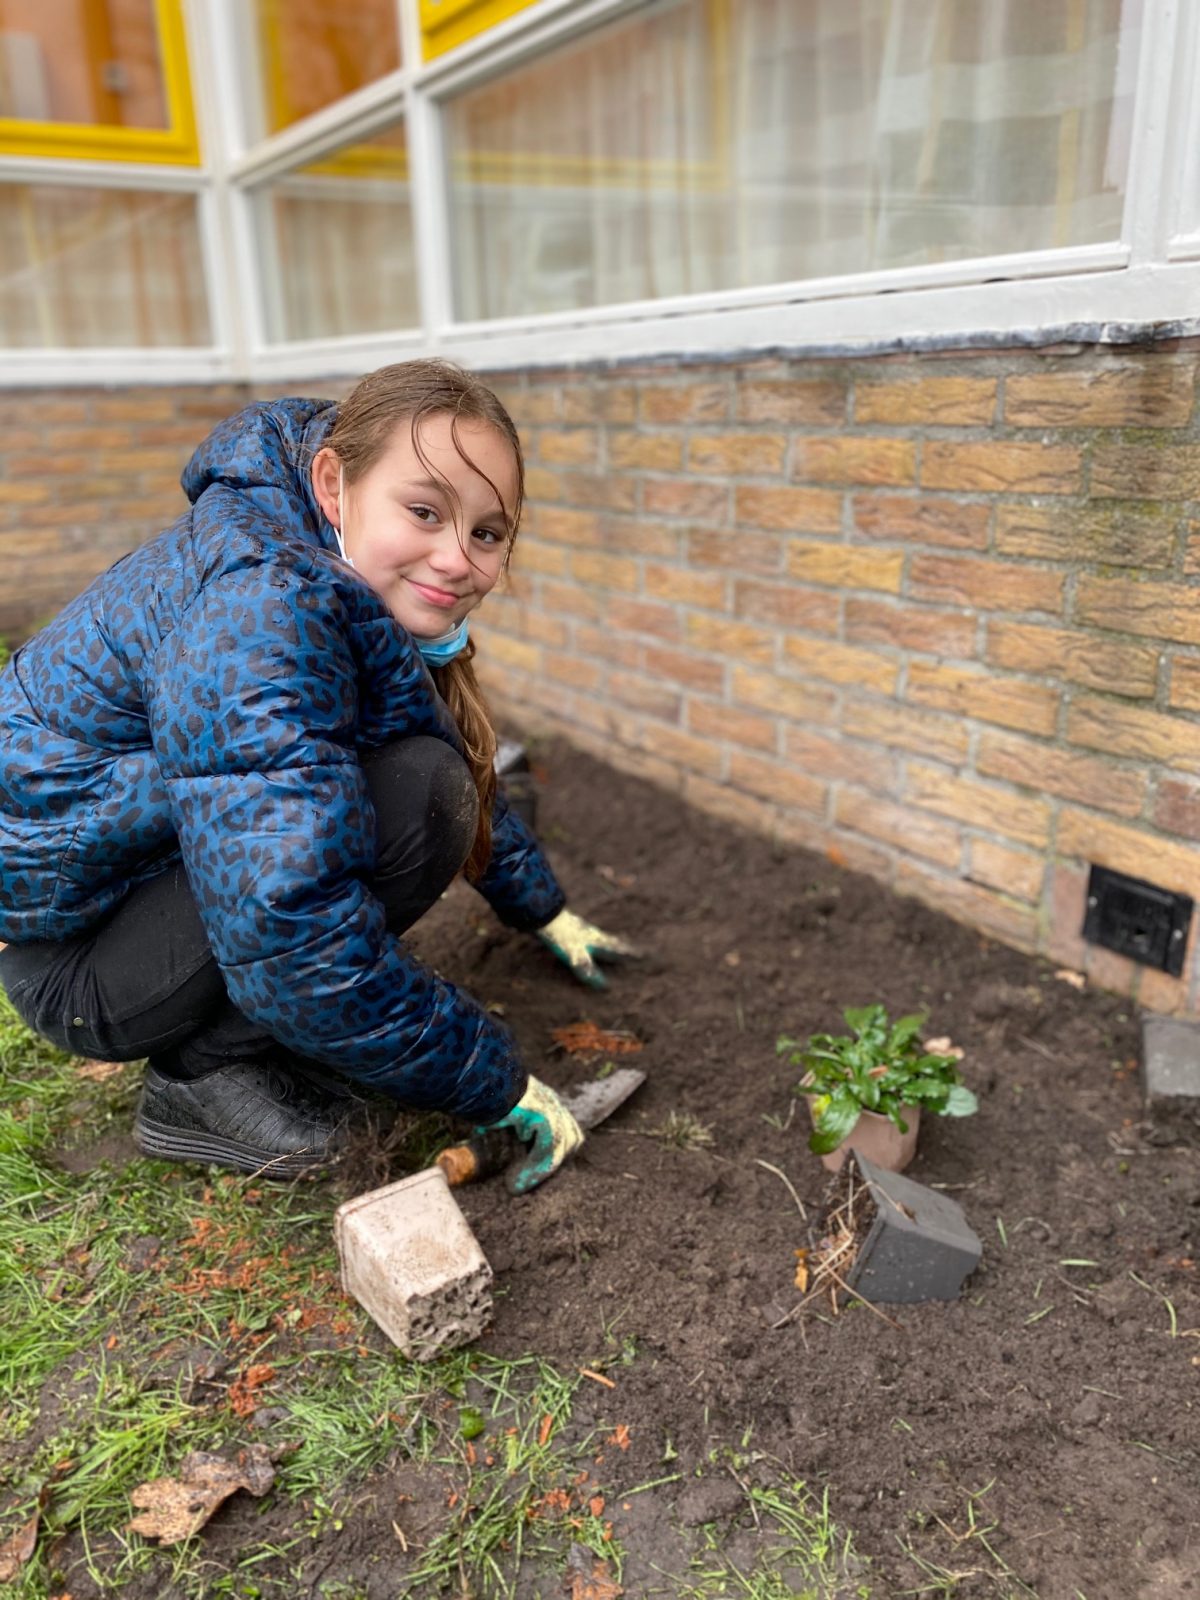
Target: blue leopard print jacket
{"x": 209, "y": 696}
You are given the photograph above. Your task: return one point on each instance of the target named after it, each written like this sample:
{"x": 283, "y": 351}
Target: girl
{"x": 251, "y": 755}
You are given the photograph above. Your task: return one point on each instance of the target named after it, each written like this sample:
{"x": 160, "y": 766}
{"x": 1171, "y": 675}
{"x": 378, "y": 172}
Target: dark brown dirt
{"x": 1063, "y": 1398}
{"x": 1037, "y": 1436}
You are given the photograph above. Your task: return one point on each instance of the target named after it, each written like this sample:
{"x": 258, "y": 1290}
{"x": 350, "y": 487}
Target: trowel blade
{"x": 591, "y": 1102}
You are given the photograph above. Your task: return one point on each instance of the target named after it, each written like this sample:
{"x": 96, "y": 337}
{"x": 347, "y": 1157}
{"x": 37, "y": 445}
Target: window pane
{"x": 715, "y": 144}
{"x": 337, "y": 243}
{"x": 77, "y": 61}
{"x": 312, "y": 52}
{"x": 87, "y": 267}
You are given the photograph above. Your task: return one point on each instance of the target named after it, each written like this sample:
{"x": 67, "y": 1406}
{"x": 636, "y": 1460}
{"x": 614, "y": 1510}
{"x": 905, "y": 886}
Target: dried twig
{"x": 787, "y": 1182}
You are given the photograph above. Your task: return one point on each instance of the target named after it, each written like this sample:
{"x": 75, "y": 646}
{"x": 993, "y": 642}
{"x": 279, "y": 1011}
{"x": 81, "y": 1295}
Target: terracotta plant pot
{"x": 878, "y": 1138}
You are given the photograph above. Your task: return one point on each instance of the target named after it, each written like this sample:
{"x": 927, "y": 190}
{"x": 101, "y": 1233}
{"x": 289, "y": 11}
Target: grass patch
{"x": 148, "y": 1310}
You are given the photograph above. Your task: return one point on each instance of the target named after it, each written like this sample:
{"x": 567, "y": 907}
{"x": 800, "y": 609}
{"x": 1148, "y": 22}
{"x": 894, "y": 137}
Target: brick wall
{"x": 938, "y": 618}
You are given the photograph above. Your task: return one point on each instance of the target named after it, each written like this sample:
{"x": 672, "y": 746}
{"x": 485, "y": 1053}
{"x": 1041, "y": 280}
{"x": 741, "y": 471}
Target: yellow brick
{"x": 737, "y": 453}
{"x": 1151, "y": 393}
{"x": 1001, "y": 466}
{"x": 841, "y": 663}
{"x": 605, "y": 402}
{"x": 796, "y": 510}
{"x": 804, "y": 702}
{"x": 569, "y": 446}
{"x": 956, "y": 402}
{"x": 1087, "y": 779}
{"x": 514, "y": 653}
{"x": 642, "y": 616}
{"x": 571, "y": 599}
{"x": 684, "y": 497}
{"x": 562, "y": 667}
{"x": 1146, "y": 471}
{"x": 1079, "y": 657}
{"x": 927, "y": 733}
{"x": 1007, "y": 919}
{"x": 742, "y": 552}
{"x": 1127, "y": 730}
{"x": 987, "y": 585}
{"x": 840, "y": 760}
{"x": 678, "y": 666}
{"x": 1185, "y": 684}
{"x": 855, "y": 460}
{"x": 1142, "y": 854}
{"x": 684, "y": 402}
{"x": 1177, "y": 807}
{"x": 26, "y": 494}
{"x": 688, "y": 588}
{"x": 1157, "y": 610}
{"x": 727, "y": 723}
{"x": 531, "y": 555}
{"x": 900, "y": 826}
{"x": 606, "y": 572}
{"x": 990, "y": 698}
{"x": 907, "y": 519}
{"x": 643, "y": 694}
{"x": 685, "y": 750}
{"x": 772, "y": 781}
{"x": 979, "y": 805}
{"x": 1163, "y": 994}
{"x": 813, "y": 609}
{"x": 735, "y": 639}
{"x": 564, "y": 525}
{"x": 654, "y": 452}
{"x": 718, "y": 800}
{"x": 920, "y": 628}
{"x": 844, "y": 566}
{"x": 1117, "y": 535}
{"x": 1014, "y": 872}
{"x": 795, "y": 401}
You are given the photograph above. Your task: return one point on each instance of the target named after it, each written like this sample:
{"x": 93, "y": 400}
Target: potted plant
{"x": 869, "y": 1090}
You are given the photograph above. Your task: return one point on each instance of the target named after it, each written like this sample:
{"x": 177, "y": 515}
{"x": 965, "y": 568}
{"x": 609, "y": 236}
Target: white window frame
{"x": 1149, "y": 279}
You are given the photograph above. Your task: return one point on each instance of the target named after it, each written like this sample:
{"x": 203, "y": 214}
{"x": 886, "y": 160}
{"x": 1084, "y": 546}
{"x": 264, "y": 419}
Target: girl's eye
{"x": 424, "y": 513}
{"x": 488, "y": 536}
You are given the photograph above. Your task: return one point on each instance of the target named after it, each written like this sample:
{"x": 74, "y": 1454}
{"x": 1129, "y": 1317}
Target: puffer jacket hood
{"x": 210, "y": 696}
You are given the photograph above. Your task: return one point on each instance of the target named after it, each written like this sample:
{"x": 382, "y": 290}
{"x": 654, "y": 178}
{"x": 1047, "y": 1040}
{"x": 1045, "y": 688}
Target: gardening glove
{"x": 541, "y": 1121}
{"x": 581, "y": 944}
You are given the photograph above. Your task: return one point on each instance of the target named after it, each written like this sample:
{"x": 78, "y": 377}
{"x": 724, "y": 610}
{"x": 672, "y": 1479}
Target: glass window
{"x": 718, "y": 144}
{"x": 312, "y": 52}
{"x": 106, "y": 79}
{"x": 337, "y": 243}
{"x": 99, "y": 267}
{"x": 445, "y": 23}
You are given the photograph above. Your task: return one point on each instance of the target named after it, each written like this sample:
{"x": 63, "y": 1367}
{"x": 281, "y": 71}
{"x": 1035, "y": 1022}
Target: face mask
{"x": 436, "y": 652}
{"x": 339, "y": 533}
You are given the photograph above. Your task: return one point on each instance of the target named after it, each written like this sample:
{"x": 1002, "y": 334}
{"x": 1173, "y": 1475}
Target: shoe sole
{"x": 172, "y": 1144}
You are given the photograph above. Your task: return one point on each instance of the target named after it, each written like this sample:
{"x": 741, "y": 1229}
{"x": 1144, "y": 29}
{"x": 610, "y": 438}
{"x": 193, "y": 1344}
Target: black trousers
{"x": 145, "y": 982}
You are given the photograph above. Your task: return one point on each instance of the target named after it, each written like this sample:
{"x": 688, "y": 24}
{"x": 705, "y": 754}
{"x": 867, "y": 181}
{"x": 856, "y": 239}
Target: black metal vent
{"x": 1137, "y": 919}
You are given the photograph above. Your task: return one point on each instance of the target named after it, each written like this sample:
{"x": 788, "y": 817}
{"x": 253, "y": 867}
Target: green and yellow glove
{"x": 579, "y": 945}
{"x": 540, "y": 1121}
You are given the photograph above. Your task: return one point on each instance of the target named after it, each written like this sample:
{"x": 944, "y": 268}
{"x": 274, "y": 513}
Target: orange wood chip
{"x": 585, "y": 1038}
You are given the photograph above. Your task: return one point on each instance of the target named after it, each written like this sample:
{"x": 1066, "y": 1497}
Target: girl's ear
{"x": 326, "y": 469}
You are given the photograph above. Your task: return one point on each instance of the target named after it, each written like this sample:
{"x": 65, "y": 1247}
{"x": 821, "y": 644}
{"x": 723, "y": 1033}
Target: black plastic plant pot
{"x": 918, "y": 1245}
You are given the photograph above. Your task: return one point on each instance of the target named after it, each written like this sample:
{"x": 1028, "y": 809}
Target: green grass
{"x": 146, "y": 1310}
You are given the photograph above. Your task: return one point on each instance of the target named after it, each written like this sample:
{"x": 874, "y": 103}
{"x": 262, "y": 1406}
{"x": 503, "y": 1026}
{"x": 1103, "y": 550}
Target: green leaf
{"x": 834, "y": 1123}
{"x": 960, "y": 1102}
{"x": 470, "y": 1422}
{"x": 863, "y": 1018}
{"x": 906, "y": 1028}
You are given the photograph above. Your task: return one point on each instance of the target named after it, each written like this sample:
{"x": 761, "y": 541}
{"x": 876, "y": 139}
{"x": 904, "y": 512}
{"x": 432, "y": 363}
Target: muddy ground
{"x": 1060, "y": 1387}
{"x": 1038, "y": 1435}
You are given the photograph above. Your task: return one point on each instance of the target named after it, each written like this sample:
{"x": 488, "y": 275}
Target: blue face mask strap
{"x": 436, "y": 652}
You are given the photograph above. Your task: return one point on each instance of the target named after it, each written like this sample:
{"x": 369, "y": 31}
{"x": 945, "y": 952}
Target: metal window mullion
{"x": 1156, "y": 147}
{"x": 429, "y": 191}
{"x": 408, "y": 21}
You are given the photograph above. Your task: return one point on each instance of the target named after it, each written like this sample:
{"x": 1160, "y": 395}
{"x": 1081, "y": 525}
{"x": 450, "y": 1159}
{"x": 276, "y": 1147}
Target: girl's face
{"x": 432, "y": 557}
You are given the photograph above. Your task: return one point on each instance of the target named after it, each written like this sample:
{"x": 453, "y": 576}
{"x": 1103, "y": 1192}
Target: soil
{"x": 1038, "y": 1434}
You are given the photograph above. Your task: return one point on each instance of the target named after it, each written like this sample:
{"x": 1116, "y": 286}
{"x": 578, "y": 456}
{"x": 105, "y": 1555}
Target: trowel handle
{"x": 481, "y": 1157}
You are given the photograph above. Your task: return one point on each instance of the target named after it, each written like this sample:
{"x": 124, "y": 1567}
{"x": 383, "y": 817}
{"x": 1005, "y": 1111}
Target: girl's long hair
{"x": 411, "y": 391}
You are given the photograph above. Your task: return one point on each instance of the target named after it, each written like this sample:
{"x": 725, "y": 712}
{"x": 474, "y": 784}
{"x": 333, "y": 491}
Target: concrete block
{"x": 918, "y": 1246}
{"x": 409, "y": 1258}
{"x": 1171, "y": 1064}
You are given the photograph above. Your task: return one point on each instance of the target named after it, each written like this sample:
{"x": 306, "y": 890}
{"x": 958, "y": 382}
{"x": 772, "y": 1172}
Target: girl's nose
{"x": 448, "y": 555}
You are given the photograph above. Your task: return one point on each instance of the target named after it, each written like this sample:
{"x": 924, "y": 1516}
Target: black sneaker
{"x": 252, "y": 1116}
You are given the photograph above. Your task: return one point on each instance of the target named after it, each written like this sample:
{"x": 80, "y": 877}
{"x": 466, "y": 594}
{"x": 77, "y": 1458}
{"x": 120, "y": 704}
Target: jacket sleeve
{"x": 519, "y": 884}
{"x": 253, "y": 717}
